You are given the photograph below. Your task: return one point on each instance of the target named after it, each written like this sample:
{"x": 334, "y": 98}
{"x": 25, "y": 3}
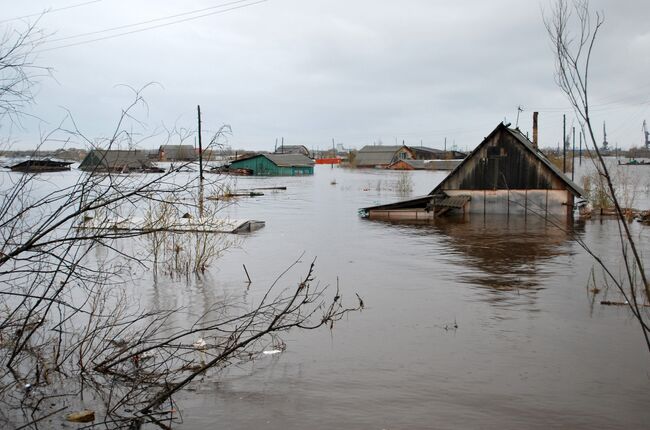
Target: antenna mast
{"x": 520, "y": 109}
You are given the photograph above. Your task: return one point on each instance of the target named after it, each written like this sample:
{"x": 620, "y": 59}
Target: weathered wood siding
{"x": 502, "y": 164}
{"x": 517, "y": 202}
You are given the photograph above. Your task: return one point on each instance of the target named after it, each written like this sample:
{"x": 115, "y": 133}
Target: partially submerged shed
{"x": 275, "y": 165}
{"x": 505, "y": 174}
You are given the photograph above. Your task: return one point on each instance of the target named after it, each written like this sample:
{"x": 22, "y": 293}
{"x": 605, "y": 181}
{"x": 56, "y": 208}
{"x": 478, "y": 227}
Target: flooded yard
{"x": 482, "y": 323}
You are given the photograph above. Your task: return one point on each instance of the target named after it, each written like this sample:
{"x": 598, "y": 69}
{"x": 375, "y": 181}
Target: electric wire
{"x": 150, "y": 21}
{"x": 50, "y": 11}
{"x": 84, "y": 42}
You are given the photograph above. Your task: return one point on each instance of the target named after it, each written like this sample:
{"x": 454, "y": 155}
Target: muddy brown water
{"x": 530, "y": 350}
{"x": 483, "y": 323}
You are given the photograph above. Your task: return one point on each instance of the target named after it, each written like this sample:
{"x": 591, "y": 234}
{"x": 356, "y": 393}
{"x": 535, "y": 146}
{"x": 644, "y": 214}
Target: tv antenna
{"x": 520, "y": 109}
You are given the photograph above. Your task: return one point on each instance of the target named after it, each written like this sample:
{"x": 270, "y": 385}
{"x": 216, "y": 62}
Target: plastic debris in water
{"x": 199, "y": 344}
{"x": 272, "y": 351}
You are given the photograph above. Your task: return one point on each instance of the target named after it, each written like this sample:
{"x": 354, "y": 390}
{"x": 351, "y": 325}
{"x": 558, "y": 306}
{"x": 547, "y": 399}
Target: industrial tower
{"x": 605, "y": 143}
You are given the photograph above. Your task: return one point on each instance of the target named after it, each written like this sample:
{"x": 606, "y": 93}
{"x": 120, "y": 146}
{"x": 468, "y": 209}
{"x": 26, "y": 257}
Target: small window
{"x": 493, "y": 151}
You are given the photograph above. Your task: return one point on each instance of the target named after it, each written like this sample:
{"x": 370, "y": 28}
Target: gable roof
{"x": 291, "y": 149}
{"x": 372, "y": 155}
{"x": 282, "y": 160}
{"x": 528, "y": 145}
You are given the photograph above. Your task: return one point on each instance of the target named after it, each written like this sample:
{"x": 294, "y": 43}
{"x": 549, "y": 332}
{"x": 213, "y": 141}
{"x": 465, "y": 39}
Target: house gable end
{"x": 503, "y": 161}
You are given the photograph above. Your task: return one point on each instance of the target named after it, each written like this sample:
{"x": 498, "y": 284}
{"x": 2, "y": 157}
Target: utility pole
{"x": 198, "y": 114}
{"x": 198, "y": 111}
{"x": 573, "y": 153}
{"x": 580, "y": 159}
{"x": 564, "y": 143}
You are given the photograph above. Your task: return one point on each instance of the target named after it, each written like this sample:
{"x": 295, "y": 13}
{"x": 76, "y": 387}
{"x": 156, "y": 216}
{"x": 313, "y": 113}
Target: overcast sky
{"x": 311, "y": 71}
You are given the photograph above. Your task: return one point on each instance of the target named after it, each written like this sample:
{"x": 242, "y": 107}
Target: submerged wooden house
{"x": 505, "y": 174}
{"x": 116, "y": 161}
{"x": 44, "y": 165}
{"x": 274, "y": 165}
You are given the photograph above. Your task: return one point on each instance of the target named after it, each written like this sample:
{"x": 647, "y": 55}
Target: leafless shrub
{"x": 19, "y": 72}
{"x": 71, "y": 336}
{"x": 572, "y": 29}
{"x": 596, "y": 191}
{"x": 404, "y": 184}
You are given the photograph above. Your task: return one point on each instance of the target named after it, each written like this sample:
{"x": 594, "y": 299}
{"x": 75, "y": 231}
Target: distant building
{"x": 70, "y": 154}
{"x": 275, "y": 165}
{"x": 177, "y": 153}
{"x": 382, "y": 156}
{"x": 505, "y": 174}
{"x": 426, "y": 153}
{"x": 292, "y": 149}
{"x": 115, "y": 160}
{"x": 445, "y": 164}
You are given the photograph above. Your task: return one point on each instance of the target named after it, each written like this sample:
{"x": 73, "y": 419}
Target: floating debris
{"x": 84, "y": 416}
{"x": 180, "y": 225}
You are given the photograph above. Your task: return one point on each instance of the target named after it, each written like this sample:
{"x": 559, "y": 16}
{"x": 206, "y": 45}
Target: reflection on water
{"x": 505, "y": 258}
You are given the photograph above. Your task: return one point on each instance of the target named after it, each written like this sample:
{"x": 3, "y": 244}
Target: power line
{"x": 150, "y": 21}
{"x": 153, "y": 26}
{"x": 50, "y": 11}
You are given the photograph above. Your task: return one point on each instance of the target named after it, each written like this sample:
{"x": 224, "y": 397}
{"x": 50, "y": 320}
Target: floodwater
{"x": 484, "y": 323}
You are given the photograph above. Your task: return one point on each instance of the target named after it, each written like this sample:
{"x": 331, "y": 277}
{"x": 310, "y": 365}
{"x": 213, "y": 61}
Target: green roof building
{"x": 275, "y": 164}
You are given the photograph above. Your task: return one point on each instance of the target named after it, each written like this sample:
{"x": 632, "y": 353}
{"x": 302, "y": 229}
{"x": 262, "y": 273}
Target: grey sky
{"x": 357, "y": 71}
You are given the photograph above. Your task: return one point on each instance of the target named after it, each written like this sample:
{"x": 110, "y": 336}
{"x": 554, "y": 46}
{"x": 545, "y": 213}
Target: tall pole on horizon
{"x": 573, "y": 153}
{"x": 564, "y": 143}
{"x": 580, "y": 155}
{"x": 198, "y": 112}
